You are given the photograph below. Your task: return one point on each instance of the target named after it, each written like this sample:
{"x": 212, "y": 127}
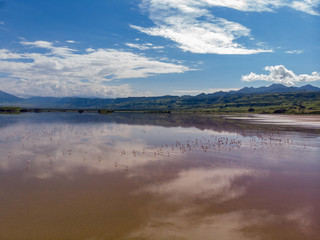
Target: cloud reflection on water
{"x": 179, "y": 225}
{"x": 182, "y": 182}
{"x": 203, "y": 184}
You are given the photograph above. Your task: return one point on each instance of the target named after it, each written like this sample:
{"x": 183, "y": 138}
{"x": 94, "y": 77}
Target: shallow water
{"x": 158, "y": 176}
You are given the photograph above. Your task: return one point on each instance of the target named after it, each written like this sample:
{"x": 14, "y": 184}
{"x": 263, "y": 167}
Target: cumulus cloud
{"x": 90, "y": 50}
{"x": 279, "y": 74}
{"x": 194, "y": 29}
{"x": 63, "y": 71}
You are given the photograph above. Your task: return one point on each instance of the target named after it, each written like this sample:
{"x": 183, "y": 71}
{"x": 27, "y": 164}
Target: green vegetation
{"x": 157, "y": 111}
{"x": 10, "y": 110}
{"x": 288, "y": 103}
{"x": 105, "y": 111}
{"x": 282, "y": 103}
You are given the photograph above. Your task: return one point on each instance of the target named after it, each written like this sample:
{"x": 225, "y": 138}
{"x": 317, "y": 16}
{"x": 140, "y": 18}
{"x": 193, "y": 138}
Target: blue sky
{"x": 119, "y": 48}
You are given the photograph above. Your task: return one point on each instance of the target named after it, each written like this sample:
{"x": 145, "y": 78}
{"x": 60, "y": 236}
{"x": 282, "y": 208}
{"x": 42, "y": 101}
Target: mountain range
{"x": 163, "y": 102}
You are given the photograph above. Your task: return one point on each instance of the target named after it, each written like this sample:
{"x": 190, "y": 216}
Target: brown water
{"x": 158, "y": 176}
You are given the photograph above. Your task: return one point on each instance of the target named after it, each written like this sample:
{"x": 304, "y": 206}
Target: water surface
{"x": 159, "y": 176}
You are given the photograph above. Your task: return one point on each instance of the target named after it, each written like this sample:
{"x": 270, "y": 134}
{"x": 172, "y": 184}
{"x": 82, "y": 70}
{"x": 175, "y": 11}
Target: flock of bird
{"x": 205, "y": 143}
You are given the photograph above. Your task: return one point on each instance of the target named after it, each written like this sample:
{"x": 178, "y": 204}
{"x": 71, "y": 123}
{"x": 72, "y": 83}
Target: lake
{"x": 159, "y": 176}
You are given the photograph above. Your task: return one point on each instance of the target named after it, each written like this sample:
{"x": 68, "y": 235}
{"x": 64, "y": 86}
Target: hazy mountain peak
{"x": 6, "y": 97}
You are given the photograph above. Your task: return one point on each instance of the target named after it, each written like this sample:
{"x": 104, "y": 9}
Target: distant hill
{"x": 279, "y": 88}
{"x": 274, "y": 88}
{"x": 295, "y": 99}
{"x": 8, "y": 98}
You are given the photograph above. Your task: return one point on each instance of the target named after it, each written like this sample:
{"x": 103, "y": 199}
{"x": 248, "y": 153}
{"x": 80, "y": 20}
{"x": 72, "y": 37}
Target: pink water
{"x": 127, "y": 176}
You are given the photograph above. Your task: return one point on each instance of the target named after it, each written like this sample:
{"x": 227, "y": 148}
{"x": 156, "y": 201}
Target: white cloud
{"x": 307, "y": 6}
{"x": 138, "y": 46}
{"x": 62, "y": 71}
{"x": 1, "y": 23}
{"x": 145, "y": 46}
{"x": 40, "y": 44}
{"x": 90, "y": 50}
{"x": 192, "y": 6}
{"x": 59, "y": 51}
{"x": 295, "y": 51}
{"x": 194, "y": 29}
{"x": 190, "y": 24}
{"x": 279, "y": 74}
{"x": 70, "y": 41}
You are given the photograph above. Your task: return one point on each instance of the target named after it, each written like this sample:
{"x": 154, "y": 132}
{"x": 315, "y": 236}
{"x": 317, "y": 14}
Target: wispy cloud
{"x": 195, "y": 29}
{"x": 54, "y": 50}
{"x": 295, "y": 51}
{"x": 192, "y": 6}
{"x": 1, "y": 23}
{"x": 307, "y": 6}
{"x": 144, "y": 46}
{"x": 63, "y": 71}
{"x": 279, "y": 74}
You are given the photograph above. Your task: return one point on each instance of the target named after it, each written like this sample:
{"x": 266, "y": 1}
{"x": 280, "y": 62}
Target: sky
{"x": 123, "y": 48}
